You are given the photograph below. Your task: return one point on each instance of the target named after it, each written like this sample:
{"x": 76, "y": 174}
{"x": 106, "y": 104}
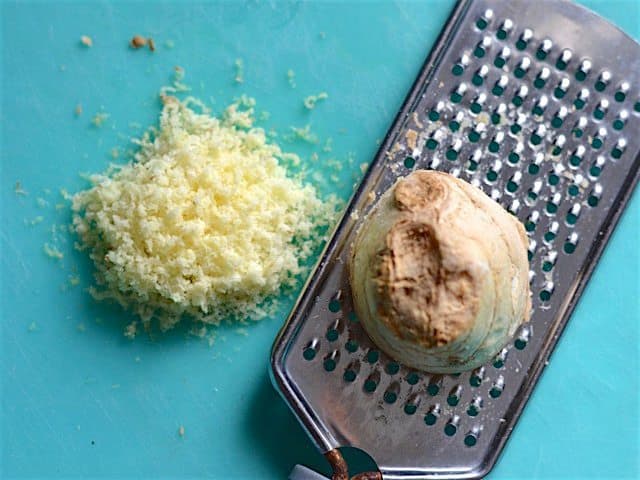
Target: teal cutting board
{"x": 78, "y": 399}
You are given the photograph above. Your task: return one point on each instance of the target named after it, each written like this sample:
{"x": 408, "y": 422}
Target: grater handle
{"x": 300, "y": 472}
{"x": 339, "y": 467}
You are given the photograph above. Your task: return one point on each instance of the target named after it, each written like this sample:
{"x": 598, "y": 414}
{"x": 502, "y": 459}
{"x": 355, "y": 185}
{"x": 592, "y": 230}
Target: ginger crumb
{"x": 81, "y": 327}
{"x": 115, "y": 153}
{"x": 181, "y": 431}
{"x": 78, "y": 110}
{"x": 19, "y": 190}
{"x": 311, "y": 100}
{"x": 303, "y": 133}
{"x": 169, "y": 44}
{"x": 33, "y": 326}
{"x": 371, "y": 197}
{"x": 86, "y": 41}
{"x": 322, "y": 35}
{"x": 239, "y": 68}
{"x": 99, "y": 119}
{"x": 52, "y": 252}
{"x": 152, "y": 44}
{"x": 291, "y": 78}
{"x": 412, "y": 138}
{"x": 131, "y": 330}
{"x": 137, "y": 42}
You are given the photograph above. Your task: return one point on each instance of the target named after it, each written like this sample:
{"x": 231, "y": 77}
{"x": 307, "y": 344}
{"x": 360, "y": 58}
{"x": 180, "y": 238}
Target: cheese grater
{"x": 538, "y": 105}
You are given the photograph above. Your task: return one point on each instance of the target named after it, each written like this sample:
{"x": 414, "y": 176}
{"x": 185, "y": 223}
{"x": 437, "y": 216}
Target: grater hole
{"x": 371, "y": 383}
{"x": 432, "y": 415}
{"x": 352, "y": 317}
{"x": 454, "y": 125}
{"x": 636, "y": 106}
{"x": 451, "y": 427}
{"x": 373, "y": 356}
{"x": 470, "y": 439}
{"x": 309, "y": 352}
{"x": 573, "y": 190}
{"x": 434, "y": 385}
{"x": 331, "y": 361}
{"x": 500, "y": 358}
{"x": 430, "y": 418}
{"x": 349, "y": 376}
{"x": 434, "y": 116}
{"x": 351, "y": 372}
{"x": 497, "y": 387}
{"x": 477, "y": 376}
{"x": 334, "y": 305}
{"x": 412, "y": 378}
{"x": 411, "y": 407}
{"x": 454, "y": 396}
{"x": 409, "y": 162}
{"x": 474, "y": 407}
{"x": 553, "y": 179}
{"x": 392, "y": 368}
{"x": 391, "y": 394}
{"x": 332, "y": 334}
{"x": 545, "y": 296}
{"x": 457, "y": 70}
{"x": 351, "y": 346}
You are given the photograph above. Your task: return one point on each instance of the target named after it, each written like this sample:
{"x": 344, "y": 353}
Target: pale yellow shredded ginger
{"x": 205, "y": 222}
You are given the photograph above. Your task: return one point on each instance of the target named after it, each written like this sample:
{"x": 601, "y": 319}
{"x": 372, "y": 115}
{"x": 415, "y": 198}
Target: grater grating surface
{"x": 534, "y": 103}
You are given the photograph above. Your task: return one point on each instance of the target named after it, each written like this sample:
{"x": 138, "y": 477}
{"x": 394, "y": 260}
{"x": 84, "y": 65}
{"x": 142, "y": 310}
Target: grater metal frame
{"x": 312, "y": 392}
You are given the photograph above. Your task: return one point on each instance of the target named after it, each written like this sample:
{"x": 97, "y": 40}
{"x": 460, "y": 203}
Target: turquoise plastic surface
{"x": 78, "y": 399}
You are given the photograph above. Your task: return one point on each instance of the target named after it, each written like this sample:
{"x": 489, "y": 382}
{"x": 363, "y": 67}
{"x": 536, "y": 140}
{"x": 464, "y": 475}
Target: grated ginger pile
{"x": 206, "y": 222}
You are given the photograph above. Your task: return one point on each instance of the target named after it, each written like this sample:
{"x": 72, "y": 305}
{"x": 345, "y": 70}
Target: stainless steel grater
{"x": 537, "y": 104}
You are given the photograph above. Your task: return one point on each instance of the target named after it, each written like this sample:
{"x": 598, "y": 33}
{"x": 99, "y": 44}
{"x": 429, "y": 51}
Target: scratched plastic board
{"x": 89, "y": 403}
{"x": 524, "y": 101}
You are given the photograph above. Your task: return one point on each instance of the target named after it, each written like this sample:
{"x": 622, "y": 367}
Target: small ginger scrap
{"x": 138, "y": 41}
{"x": 78, "y": 110}
{"x": 86, "y": 41}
